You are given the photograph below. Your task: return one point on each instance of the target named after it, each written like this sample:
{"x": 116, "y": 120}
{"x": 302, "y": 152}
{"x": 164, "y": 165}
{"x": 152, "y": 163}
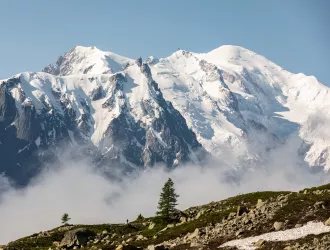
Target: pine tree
{"x": 167, "y": 201}
{"x": 65, "y": 218}
{"x": 140, "y": 217}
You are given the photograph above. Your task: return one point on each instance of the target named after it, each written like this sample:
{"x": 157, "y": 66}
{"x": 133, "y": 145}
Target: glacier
{"x": 230, "y": 103}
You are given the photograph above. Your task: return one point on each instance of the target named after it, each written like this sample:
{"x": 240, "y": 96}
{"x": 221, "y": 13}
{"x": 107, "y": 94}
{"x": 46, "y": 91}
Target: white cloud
{"x": 90, "y": 198}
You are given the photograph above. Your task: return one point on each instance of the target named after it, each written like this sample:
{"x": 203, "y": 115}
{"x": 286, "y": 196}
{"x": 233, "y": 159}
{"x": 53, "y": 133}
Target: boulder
{"x": 43, "y": 234}
{"x": 239, "y": 232}
{"x": 319, "y": 204}
{"x": 246, "y": 220}
{"x": 129, "y": 239}
{"x": 76, "y": 237}
{"x": 231, "y": 215}
{"x": 298, "y": 225}
{"x": 260, "y": 203}
{"x": 151, "y": 226}
{"x": 139, "y": 237}
{"x": 152, "y": 247}
{"x": 178, "y": 214}
{"x": 252, "y": 215}
{"x": 128, "y": 247}
{"x": 241, "y": 210}
{"x": 195, "y": 234}
{"x": 64, "y": 228}
{"x": 263, "y": 210}
{"x": 183, "y": 219}
{"x": 259, "y": 243}
{"x": 327, "y": 222}
{"x": 278, "y": 226}
{"x": 56, "y": 243}
{"x": 200, "y": 213}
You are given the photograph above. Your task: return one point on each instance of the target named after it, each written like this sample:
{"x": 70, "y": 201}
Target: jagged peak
{"x": 86, "y": 51}
{"x": 152, "y": 60}
{"x": 85, "y": 60}
{"x": 181, "y": 53}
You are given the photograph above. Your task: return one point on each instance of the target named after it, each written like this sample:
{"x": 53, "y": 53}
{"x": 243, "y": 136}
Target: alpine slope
{"x": 229, "y": 103}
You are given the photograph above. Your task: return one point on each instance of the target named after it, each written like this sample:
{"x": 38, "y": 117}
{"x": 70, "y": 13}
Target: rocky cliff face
{"x": 120, "y": 119}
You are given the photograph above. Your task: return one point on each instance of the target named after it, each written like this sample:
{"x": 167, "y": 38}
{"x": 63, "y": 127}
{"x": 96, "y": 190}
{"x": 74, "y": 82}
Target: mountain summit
{"x": 87, "y": 60}
{"x": 230, "y": 102}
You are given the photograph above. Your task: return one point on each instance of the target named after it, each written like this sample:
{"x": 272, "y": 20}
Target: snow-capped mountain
{"x": 170, "y": 110}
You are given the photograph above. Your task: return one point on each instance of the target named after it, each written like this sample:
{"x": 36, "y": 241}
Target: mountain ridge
{"x": 231, "y": 99}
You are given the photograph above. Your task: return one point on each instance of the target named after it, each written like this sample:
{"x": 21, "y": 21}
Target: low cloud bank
{"x": 90, "y": 198}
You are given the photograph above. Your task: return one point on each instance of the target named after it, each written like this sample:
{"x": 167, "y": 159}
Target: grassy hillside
{"x": 204, "y": 227}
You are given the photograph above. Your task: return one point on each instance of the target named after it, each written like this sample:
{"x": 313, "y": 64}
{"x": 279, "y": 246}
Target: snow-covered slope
{"x": 239, "y": 105}
{"x": 120, "y": 119}
{"x": 87, "y": 60}
{"x": 230, "y": 95}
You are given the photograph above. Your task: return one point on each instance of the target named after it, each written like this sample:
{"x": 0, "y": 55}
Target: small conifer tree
{"x": 65, "y": 218}
{"x": 167, "y": 201}
{"x": 140, "y": 217}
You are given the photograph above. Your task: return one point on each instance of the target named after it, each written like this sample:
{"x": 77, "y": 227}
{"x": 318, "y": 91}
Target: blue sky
{"x": 294, "y": 34}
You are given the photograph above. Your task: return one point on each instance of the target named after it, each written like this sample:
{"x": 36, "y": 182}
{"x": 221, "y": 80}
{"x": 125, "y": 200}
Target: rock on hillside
{"x": 243, "y": 222}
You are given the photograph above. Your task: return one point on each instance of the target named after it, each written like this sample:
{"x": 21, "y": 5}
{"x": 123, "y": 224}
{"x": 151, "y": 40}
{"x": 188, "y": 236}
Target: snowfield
{"x": 285, "y": 235}
{"x": 240, "y": 105}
